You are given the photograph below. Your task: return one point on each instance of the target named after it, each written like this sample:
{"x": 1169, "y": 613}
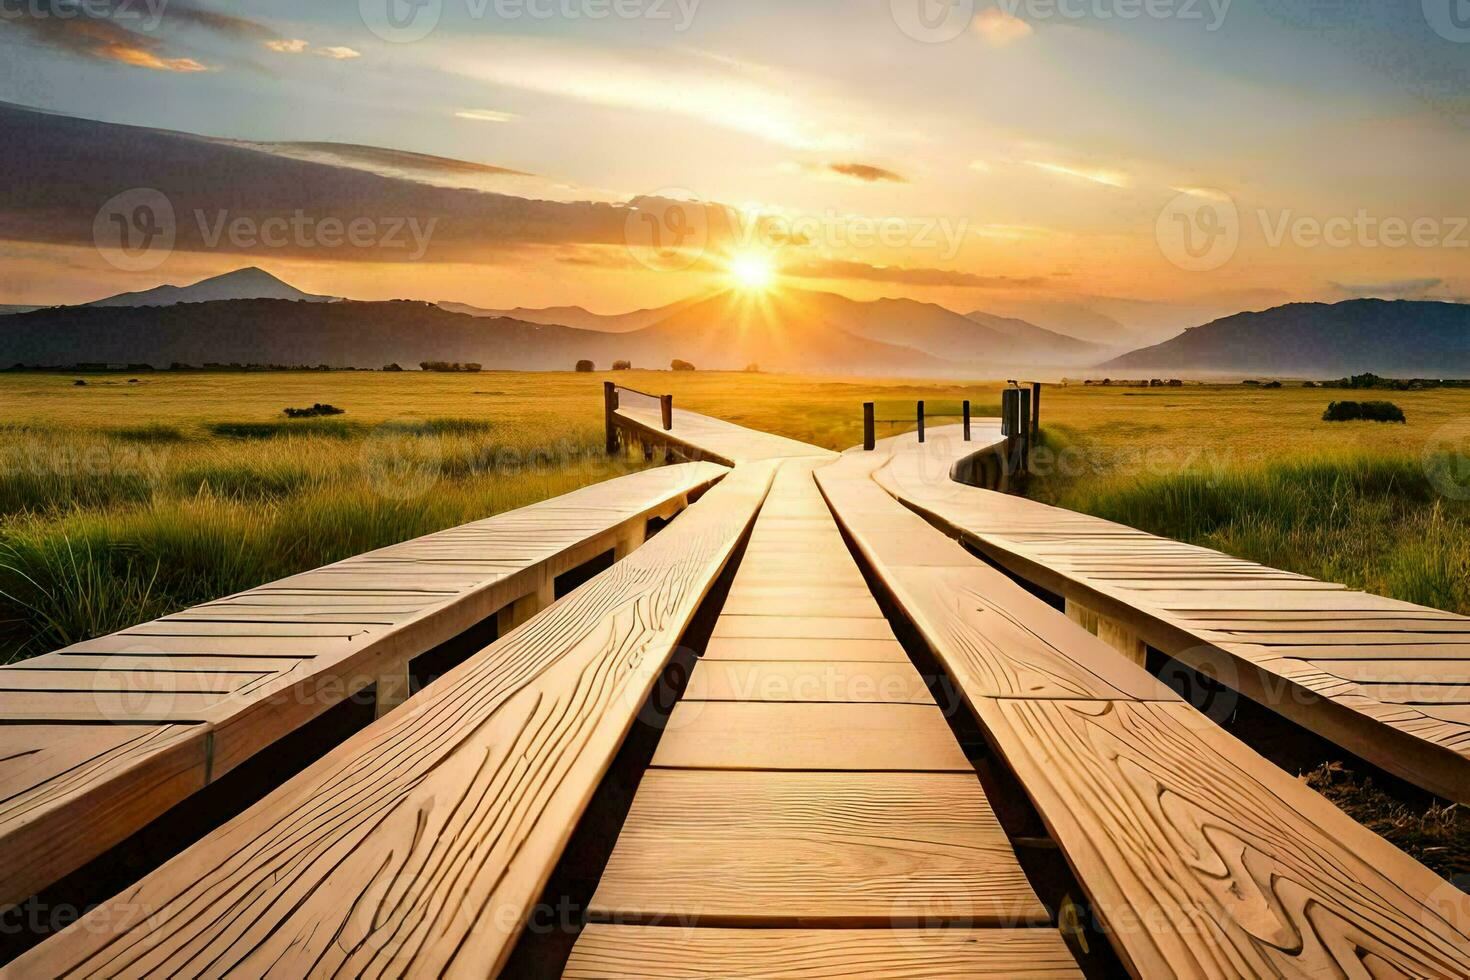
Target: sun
{"x": 753, "y": 271}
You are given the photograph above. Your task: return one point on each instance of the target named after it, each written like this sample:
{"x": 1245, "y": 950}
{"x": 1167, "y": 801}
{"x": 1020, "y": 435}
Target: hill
{"x": 249, "y": 283}
{"x": 778, "y": 331}
{"x": 1399, "y": 337}
{"x": 579, "y": 317}
{"x": 980, "y": 339}
{"x": 720, "y": 332}
{"x": 268, "y": 331}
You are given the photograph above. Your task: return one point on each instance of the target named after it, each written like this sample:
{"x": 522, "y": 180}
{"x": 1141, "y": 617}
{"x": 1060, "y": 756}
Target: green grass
{"x": 1372, "y": 521}
{"x": 123, "y": 502}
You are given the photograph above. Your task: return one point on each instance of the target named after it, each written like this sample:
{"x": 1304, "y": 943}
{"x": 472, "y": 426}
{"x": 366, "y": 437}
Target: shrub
{"x": 1363, "y": 411}
{"x": 586, "y": 367}
{"x": 622, "y": 365}
{"x": 679, "y": 365}
{"x": 1272, "y": 384}
{"x": 316, "y": 411}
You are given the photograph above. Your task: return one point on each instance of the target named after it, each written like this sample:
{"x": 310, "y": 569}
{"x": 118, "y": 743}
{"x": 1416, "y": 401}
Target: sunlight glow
{"x": 753, "y": 271}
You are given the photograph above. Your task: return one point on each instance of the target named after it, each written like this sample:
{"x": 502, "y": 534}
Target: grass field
{"x": 121, "y": 502}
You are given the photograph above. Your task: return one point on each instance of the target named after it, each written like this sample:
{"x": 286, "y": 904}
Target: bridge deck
{"x": 830, "y": 795}
{"x": 1200, "y": 857}
{"x": 104, "y": 736}
{"x": 807, "y": 809}
{"x": 1387, "y": 680}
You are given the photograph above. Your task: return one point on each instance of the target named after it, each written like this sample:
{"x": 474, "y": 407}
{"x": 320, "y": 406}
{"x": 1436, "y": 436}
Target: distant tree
{"x": 1364, "y": 411}
{"x": 622, "y": 365}
{"x": 79, "y": 383}
{"x": 1309, "y": 384}
{"x": 679, "y": 365}
{"x": 1272, "y": 384}
{"x": 586, "y": 367}
{"x": 392, "y": 367}
{"x": 752, "y": 369}
{"x": 1254, "y": 384}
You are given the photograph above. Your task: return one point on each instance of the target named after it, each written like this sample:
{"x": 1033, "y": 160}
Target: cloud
{"x": 1108, "y": 178}
{"x": 999, "y": 28}
{"x": 1398, "y": 288}
{"x": 867, "y": 173}
{"x": 486, "y": 115}
{"x": 100, "y": 38}
{"x": 704, "y": 89}
{"x": 861, "y": 271}
{"x": 299, "y": 46}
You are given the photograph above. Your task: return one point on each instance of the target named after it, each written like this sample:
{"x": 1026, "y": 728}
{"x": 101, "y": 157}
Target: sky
{"x": 1153, "y": 162}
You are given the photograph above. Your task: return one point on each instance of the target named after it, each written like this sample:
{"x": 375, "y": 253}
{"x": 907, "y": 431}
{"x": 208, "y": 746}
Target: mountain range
{"x": 249, "y": 283}
{"x": 239, "y": 317}
{"x": 1398, "y": 338}
{"x": 250, "y": 316}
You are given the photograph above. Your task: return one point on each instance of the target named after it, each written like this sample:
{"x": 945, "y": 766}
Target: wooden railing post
{"x": 1035, "y": 409}
{"x": 870, "y": 434}
{"x": 666, "y": 405}
{"x": 967, "y": 420}
{"x": 921, "y": 421}
{"x": 609, "y": 408}
{"x": 1023, "y": 426}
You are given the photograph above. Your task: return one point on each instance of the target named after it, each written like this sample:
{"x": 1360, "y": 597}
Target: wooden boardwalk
{"x": 104, "y": 736}
{"x": 1385, "y": 679}
{"x": 831, "y": 794}
{"x": 808, "y": 811}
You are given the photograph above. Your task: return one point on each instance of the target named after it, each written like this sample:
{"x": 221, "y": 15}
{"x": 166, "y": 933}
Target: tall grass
{"x": 93, "y": 540}
{"x": 1367, "y": 520}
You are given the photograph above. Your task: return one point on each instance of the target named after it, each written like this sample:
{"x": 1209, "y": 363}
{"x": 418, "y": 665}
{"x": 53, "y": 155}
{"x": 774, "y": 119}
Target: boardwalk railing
{"x": 103, "y": 737}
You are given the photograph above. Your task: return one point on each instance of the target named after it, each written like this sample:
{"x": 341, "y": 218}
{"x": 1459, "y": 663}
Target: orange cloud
{"x": 1000, "y": 28}
{"x": 139, "y": 58}
{"x": 867, "y": 173}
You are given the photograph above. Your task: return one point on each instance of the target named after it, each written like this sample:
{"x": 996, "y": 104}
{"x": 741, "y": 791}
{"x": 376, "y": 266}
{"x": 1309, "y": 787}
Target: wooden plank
{"x": 808, "y": 682}
{"x": 93, "y": 783}
{"x": 420, "y": 845}
{"x": 608, "y": 952}
{"x": 1201, "y": 858}
{"x": 1210, "y": 861}
{"x": 777, "y": 648}
{"x": 746, "y": 735}
{"x": 802, "y": 627}
{"x": 306, "y": 636}
{"x": 1259, "y": 624}
{"x": 814, "y": 848}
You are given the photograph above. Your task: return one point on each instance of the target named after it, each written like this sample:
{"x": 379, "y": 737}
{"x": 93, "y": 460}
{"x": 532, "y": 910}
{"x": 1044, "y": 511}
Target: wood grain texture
{"x": 609, "y": 952}
{"x": 1196, "y": 604}
{"x": 1210, "y": 861}
{"x": 1200, "y": 857}
{"x": 814, "y": 848}
{"x": 55, "y": 812}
